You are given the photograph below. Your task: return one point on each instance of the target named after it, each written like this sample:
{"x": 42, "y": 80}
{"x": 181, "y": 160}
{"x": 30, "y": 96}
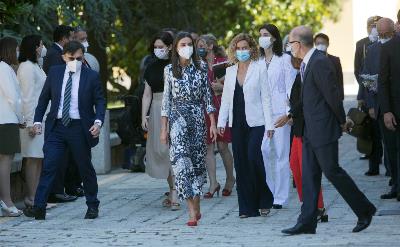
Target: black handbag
{"x": 362, "y": 130}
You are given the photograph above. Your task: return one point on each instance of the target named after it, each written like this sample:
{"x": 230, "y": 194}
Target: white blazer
{"x": 10, "y": 96}
{"x": 280, "y": 76}
{"x": 31, "y": 78}
{"x": 257, "y": 97}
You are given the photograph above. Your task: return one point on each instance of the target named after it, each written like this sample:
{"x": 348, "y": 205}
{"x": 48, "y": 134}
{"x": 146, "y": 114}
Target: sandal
{"x": 174, "y": 198}
{"x": 264, "y": 212}
{"x": 166, "y": 203}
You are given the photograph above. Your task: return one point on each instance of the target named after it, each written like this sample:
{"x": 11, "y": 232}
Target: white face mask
{"x": 74, "y": 65}
{"x": 43, "y": 52}
{"x": 288, "y": 48}
{"x": 86, "y": 45}
{"x": 161, "y": 53}
{"x": 373, "y": 36}
{"x": 265, "y": 42}
{"x": 186, "y": 52}
{"x": 322, "y": 47}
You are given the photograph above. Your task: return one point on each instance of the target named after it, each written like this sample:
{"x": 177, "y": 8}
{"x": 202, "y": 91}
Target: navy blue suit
{"x": 323, "y": 115}
{"x": 76, "y": 137}
{"x": 53, "y": 57}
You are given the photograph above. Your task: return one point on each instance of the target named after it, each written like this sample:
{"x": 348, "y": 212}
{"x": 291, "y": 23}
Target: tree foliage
{"x": 119, "y": 30}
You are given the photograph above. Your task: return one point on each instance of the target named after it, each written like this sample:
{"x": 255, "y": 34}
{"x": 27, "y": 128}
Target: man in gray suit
{"x": 324, "y": 121}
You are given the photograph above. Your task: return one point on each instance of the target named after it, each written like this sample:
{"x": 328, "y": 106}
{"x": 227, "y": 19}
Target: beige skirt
{"x": 158, "y": 164}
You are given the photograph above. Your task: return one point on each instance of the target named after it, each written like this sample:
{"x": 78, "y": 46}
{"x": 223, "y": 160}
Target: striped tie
{"x": 67, "y": 101}
{"x": 302, "y": 70}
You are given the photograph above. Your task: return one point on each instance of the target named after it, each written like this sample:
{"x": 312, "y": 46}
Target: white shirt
{"x": 307, "y": 57}
{"x": 59, "y": 45}
{"x": 74, "y": 106}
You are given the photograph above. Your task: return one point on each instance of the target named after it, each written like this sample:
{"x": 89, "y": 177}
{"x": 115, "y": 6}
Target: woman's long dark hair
{"x": 165, "y": 37}
{"x": 8, "y": 50}
{"x": 27, "y": 49}
{"x": 277, "y": 46}
{"x": 176, "y": 67}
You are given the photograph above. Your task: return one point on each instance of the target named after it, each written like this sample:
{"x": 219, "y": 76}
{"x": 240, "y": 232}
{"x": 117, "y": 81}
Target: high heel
{"x": 210, "y": 195}
{"x": 174, "y": 198}
{"x": 322, "y": 216}
{"x": 9, "y": 211}
{"x": 192, "y": 223}
{"x": 228, "y": 192}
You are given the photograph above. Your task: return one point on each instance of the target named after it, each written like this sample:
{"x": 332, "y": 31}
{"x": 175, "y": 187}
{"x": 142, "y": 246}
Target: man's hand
{"x": 371, "y": 113}
{"x": 38, "y": 129}
{"x": 390, "y": 121}
{"x": 164, "y": 136}
{"x": 282, "y": 120}
{"x": 31, "y": 131}
{"x": 346, "y": 127}
{"x": 95, "y": 130}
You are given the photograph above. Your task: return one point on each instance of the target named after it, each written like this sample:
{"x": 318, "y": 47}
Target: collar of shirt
{"x": 307, "y": 57}
{"x": 59, "y": 45}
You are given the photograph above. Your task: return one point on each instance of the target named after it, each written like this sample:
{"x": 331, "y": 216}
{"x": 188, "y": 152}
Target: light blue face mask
{"x": 242, "y": 55}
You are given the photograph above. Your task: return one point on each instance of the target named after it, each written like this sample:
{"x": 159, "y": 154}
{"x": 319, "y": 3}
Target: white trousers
{"x": 276, "y": 162}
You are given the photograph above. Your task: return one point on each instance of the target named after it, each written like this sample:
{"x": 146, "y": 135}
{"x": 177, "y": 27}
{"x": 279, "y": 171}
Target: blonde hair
{"x": 254, "y": 51}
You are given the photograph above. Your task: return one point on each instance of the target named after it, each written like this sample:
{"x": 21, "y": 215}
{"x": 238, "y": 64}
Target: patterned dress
{"x": 183, "y": 103}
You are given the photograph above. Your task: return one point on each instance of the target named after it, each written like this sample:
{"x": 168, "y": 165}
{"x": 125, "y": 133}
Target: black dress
{"x": 252, "y": 189}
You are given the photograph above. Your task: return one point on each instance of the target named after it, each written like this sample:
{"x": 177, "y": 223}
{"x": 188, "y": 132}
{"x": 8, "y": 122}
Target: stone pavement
{"x": 131, "y": 215}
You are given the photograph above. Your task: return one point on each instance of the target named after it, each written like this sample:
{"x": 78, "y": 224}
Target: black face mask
{"x": 202, "y": 52}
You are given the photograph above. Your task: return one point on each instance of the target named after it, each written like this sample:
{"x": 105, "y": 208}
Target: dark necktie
{"x": 65, "y": 119}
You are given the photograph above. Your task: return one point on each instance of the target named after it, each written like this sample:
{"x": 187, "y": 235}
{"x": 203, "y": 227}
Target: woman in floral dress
{"x": 186, "y": 93}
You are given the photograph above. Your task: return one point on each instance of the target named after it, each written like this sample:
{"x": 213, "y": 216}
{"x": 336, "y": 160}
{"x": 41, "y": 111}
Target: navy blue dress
{"x": 252, "y": 189}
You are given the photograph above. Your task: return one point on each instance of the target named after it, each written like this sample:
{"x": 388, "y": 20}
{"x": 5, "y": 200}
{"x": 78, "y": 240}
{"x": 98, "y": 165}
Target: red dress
{"x": 217, "y": 103}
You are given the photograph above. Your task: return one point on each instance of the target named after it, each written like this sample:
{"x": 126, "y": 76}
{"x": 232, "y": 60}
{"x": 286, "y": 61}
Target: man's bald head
{"x": 301, "y": 40}
{"x": 385, "y": 25}
{"x": 304, "y": 35}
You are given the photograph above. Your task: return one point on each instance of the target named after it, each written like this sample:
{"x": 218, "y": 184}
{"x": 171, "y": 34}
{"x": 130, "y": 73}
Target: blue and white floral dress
{"x": 183, "y": 104}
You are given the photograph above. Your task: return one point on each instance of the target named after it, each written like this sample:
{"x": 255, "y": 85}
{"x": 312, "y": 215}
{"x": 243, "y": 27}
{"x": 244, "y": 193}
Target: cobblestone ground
{"x": 131, "y": 215}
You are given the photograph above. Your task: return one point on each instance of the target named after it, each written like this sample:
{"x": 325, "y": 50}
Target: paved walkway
{"x": 131, "y": 215}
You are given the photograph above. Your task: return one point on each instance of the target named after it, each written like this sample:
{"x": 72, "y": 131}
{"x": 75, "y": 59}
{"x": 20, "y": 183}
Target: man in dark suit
{"x": 61, "y": 35}
{"x": 324, "y": 120}
{"x": 389, "y": 100}
{"x": 359, "y": 57}
{"x": 72, "y": 123}
{"x": 321, "y": 42}
{"x": 67, "y": 175}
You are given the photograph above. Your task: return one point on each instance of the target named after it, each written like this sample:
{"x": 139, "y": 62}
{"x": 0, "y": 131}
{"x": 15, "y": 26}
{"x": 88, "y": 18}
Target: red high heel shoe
{"x": 210, "y": 195}
{"x": 226, "y": 192}
{"x": 192, "y": 223}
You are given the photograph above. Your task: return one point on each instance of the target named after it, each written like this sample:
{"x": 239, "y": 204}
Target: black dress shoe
{"x": 61, "y": 198}
{"x": 277, "y": 206}
{"x": 365, "y": 221}
{"x": 371, "y": 173}
{"x": 92, "y": 213}
{"x": 299, "y": 228}
{"x": 37, "y": 213}
{"x": 78, "y": 192}
{"x": 398, "y": 197}
{"x": 390, "y": 195}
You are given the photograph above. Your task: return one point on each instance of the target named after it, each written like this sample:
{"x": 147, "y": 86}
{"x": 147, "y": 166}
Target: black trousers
{"x": 325, "y": 160}
{"x": 55, "y": 146}
{"x": 67, "y": 176}
{"x": 375, "y": 158}
{"x": 251, "y": 185}
{"x": 391, "y": 141}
